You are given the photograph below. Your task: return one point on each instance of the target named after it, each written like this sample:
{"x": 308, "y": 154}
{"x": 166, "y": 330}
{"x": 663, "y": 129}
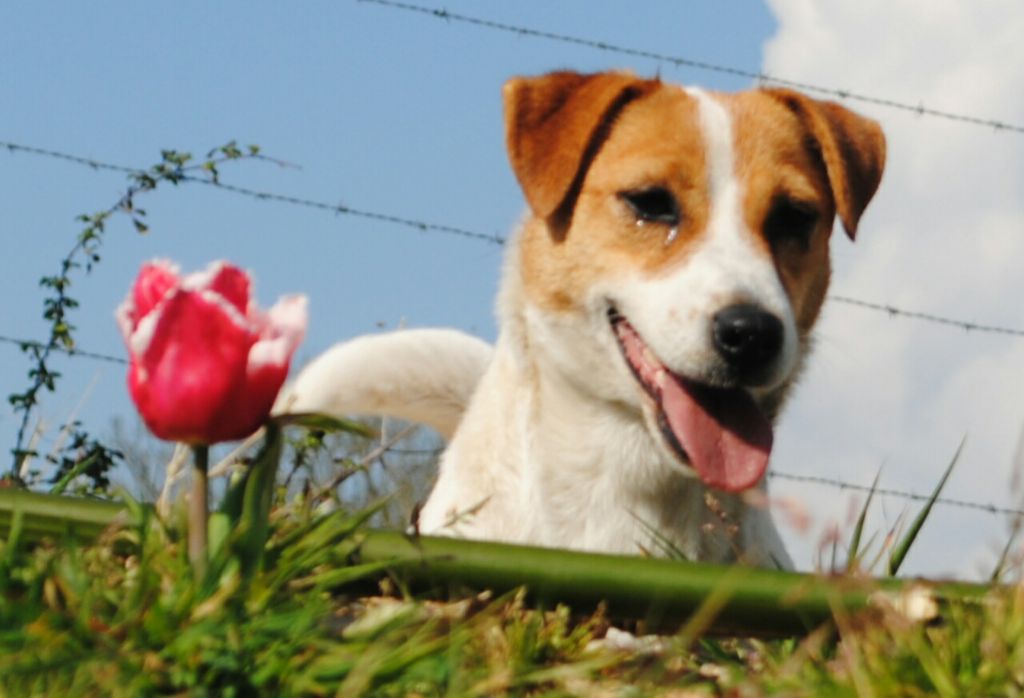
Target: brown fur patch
{"x": 656, "y": 141}
{"x": 589, "y": 145}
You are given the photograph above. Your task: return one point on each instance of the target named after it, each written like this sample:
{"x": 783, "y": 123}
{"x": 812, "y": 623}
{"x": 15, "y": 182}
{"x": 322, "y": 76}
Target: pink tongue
{"x": 726, "y": 437}
{"x": 723, "y": 432}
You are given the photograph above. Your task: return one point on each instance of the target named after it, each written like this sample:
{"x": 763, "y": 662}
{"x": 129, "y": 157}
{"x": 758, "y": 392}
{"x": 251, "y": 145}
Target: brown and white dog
{"x": 656, "y": 307}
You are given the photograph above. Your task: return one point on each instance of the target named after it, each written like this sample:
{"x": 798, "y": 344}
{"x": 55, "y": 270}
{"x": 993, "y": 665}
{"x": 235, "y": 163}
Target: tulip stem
{"x": 199, "y": 510}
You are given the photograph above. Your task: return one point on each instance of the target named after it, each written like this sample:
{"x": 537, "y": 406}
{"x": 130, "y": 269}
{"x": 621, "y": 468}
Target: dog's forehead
{"x": 676, "y": 123}
{"x": 768, "y": 134}
{"x": 656, "y": 134}
{"x": 673, "y": 133}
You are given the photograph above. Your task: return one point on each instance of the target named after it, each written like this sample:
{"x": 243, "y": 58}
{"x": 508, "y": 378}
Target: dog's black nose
{"x": 748, "y": 338}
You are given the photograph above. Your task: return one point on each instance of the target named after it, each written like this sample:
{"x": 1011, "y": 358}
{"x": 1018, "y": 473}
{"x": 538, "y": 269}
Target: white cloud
{"x": 945, "y": 235}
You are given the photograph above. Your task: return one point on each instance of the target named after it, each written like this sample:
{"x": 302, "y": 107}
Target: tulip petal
{"x": 283, "y": 328}
{"x": 186, "y": 375}
{"x": 259, "y": 391}
{"x": 206, "y": 362}
{"x": 155, "y": 280}
{"x": 226, "y": 280}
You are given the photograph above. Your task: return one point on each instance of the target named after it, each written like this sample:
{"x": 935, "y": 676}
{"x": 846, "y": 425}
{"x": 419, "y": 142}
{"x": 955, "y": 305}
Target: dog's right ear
{"x": 554, "y": 125}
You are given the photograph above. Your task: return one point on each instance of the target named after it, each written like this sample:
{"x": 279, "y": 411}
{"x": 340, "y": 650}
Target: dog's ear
{"x": 554, "y": 125}
{"x": 852, "y": 148}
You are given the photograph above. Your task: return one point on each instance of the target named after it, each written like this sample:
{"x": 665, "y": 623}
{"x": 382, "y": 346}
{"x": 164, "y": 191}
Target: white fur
{"x": 547, "y": 454}
{"x": 423, "y": 375}
{"x": 557, "y": 446}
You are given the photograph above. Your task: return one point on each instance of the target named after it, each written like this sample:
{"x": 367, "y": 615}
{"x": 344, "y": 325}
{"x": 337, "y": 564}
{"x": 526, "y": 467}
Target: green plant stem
{"x": 52, "y": 516}
{"x": 663, "y": 593}
{"x": 199, "y": 511}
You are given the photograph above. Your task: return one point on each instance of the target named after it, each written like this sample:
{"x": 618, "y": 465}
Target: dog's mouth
{"x": 720, "y": 432}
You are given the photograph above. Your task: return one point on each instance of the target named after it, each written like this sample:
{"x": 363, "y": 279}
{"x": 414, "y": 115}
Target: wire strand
{"x": 67, "y": 157}
{"x": 893, "y": 311}
{"x": 24, "y": 343}
{"x": 886, "y": 492}
{"x": 775, "y": 474}
{"x": 679, "y": 61}
{"x": 340, "y": 209}
{"x": 425, "y": 226}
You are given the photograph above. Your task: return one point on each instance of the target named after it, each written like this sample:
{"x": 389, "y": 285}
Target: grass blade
{"x": 852, "y": 559}
{"x": 899, "y": 552}
{"x": 666, "y": 547}
{"x": 82, "y": 466}
{"x": 1004, "y": 556}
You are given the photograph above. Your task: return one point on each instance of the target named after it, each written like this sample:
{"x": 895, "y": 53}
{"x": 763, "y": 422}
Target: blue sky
{"x": 382, "y": 110}
{"x": 400, "y": 113}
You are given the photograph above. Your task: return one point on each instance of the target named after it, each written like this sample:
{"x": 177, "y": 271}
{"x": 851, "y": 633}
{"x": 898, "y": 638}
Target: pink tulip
{"x": 206, "y": 362}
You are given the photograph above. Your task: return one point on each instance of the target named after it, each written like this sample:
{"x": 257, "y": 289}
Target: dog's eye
{"x": 654, "y": 204}
{"x": 791, "y": 221}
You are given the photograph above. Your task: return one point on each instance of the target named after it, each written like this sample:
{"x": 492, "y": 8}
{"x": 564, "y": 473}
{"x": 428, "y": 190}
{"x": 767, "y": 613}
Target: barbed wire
{"x": 341, "y": 209}
{"x": 100, "y": 165}
{"x": 901, "y": 494}
{"x": 424, "y": 226}
{"x": 679, "y": 61}
{"x": 842, "y": 485}
{"x": 775, "y": 474}
{"x": 26, "y": 343}
{"x": 928, "y": 317}
{"x": 67, "y": 157}
{"x": 338, "y": 209}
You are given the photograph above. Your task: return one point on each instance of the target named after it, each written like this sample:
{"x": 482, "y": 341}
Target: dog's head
{"x": 676, "y": 255}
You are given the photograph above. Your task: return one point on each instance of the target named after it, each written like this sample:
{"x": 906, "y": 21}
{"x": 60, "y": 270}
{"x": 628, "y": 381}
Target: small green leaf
{"x": 325, "y": 423}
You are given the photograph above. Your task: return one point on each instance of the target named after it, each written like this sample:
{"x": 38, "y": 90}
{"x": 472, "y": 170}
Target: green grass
{"x": 123, "y": 616}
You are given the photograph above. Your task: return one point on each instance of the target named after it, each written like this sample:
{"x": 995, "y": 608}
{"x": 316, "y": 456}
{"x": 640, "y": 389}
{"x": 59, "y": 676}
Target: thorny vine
{"x": 82, "y": 454}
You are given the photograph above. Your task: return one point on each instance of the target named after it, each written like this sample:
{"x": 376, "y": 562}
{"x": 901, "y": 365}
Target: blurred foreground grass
{"x": 122, "y": 615}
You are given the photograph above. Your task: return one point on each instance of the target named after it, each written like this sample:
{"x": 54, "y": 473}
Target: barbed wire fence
{"x": 427, "y": 227}
{"x": 491, "y": 238}
{"x": 684, "y": 62}
{"x": 893, "y": 312}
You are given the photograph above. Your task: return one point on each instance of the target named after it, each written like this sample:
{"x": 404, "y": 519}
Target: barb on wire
{"x": 57, "y": 155}
{"x": 340, "y": 209}
{"x": 111, "y": 167}
{"x": 64, "y": 350}
{"x": 679, "y": 61}
{"x": 893, "y": 311}
{"x": 494, "y": 239}
{"x": 901, "y": 494}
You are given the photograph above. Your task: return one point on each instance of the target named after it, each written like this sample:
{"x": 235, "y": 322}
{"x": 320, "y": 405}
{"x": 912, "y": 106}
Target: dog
{"x": 656, "y": 307}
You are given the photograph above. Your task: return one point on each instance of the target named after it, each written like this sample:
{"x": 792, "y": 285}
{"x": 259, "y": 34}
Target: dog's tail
{"x": 425, "y": 376}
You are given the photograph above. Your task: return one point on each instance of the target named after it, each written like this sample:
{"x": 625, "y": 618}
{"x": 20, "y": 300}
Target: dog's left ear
{"x": 554, "y": 125}
{"x": 852, "y": 148}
